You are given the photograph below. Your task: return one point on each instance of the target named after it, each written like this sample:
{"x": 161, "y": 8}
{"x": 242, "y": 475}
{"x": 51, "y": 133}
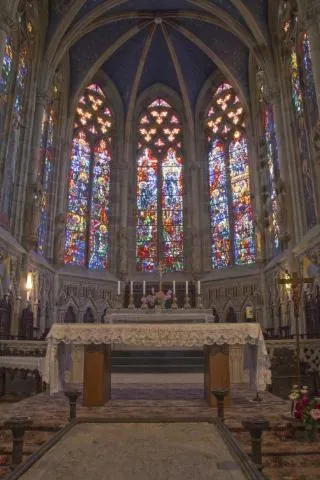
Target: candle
{"x": 144, "y": 288}
{"x": 174, "y": 287}
{"x": 131, "y": 287}
{"x": 198, "y": 287}
{"x": 119, "y": 287}
{"x": 187, "y": 287}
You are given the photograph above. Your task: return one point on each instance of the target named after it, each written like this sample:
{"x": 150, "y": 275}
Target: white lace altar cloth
{"x": 154, "y": 336}
{"x": 23, "y": 363}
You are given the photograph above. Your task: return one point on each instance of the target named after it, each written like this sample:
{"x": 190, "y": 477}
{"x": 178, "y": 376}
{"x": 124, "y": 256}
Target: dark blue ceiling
{"x": 195, "y": 65}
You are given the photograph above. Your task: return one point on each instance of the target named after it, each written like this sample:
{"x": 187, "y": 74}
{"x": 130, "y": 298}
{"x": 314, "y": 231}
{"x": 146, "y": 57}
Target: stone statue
{"x": 260, "y": 237}
{"x": 26, "y": 323}
{"x": 59, "y": 238}
{"x": 282, "y": 212}
{"x": 33, "y": 215}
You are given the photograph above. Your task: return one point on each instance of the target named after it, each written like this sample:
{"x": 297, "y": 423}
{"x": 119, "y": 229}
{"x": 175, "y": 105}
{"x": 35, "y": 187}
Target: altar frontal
{"x": 99, "y": 339}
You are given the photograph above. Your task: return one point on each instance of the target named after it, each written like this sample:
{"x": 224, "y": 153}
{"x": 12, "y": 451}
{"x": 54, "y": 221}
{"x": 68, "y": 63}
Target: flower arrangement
{"x": 158, "y": 298}
{"x": 306, "y": 406}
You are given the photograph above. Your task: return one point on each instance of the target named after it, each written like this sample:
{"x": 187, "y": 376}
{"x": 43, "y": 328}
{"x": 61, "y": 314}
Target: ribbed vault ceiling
{"x": 138, "y": 43}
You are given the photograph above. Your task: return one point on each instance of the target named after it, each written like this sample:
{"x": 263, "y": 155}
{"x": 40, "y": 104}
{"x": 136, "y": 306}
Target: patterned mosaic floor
{"x": 283, "y": 458}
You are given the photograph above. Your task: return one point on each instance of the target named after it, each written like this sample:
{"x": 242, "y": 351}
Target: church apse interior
{"x": 142, "y": 140}
{"x": 161, "y": 158}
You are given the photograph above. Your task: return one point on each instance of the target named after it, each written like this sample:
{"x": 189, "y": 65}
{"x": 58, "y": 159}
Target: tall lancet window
{"x": 159, "y": 231}
{"x": 47, "y": 163}
{"x": 14, "y": 86}
{"x": 297, "y": 59}
{"x": 5, "y": 80}
{"x": 231, "y": 214}
{"x": 88, "y": 215}
{"x": 269, "y": 152}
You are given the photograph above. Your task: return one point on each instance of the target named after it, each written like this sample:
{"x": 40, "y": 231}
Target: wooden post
{"x": 96, "y": 375}
{"x": 216, "y": 372}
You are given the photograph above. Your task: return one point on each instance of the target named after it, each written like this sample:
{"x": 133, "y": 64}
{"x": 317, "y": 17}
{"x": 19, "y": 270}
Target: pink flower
{"x": 315, "y": 414}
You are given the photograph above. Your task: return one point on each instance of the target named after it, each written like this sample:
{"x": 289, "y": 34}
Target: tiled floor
{"x": 171, "y": 396}
{"x": 157, "y": 451}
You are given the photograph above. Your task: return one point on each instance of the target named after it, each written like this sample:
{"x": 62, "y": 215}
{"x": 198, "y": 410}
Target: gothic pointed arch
{"x": 87, "y": 240}
{"x": 230, "y": 204}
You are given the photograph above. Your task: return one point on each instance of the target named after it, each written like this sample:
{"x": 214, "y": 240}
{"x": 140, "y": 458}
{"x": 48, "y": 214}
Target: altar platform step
{"x": 158, "y": 361}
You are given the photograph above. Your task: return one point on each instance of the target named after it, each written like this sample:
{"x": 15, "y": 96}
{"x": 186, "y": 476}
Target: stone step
{"x": 157, "y": 361}
{"x": 157, "y": 368}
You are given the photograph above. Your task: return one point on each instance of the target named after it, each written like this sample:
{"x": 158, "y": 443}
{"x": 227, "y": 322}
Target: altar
{"x": 98, "y": 340}
{"x": 162, "y": 315}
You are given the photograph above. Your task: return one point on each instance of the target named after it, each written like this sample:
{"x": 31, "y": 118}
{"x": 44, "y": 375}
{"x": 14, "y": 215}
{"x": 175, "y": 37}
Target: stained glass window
{"x": 303, "y": 101}
{"x": 231, "y": 214}
{"x": 6, "y": 68}
{"x": 159, "y": 231}
{"x": 309, "y": 86}
{"x": 47, "y": 148}
{"x": 270, "y": 156}
{"x": 88, "y": 215}
{"x": 22, "y": 73}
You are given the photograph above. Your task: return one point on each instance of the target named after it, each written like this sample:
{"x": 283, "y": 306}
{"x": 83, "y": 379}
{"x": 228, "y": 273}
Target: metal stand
{"x": 72, "y": 395}
{"x": 18, "y": 426}
{"x": 256, "y": 427}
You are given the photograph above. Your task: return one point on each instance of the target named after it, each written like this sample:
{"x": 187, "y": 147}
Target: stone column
{"x": 310, "y": 10}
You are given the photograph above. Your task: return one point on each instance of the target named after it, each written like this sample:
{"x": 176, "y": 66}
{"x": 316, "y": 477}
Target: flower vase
{"x": 157, "y": 308}
{"x": 293, "y": 407}
{"x": 311, "y": 433}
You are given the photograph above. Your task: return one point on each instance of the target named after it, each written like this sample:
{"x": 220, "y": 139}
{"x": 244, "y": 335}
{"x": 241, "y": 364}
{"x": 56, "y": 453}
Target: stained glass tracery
{"x": 7, "y": 64}
{"x": 231, "y": 214}
{"x": 159, "y": 230}
{"x": 270, "y": 155}
{"x": 47, "y": 149}
{"x": 22, "y": 73}
{"x": 88, "y": 216}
